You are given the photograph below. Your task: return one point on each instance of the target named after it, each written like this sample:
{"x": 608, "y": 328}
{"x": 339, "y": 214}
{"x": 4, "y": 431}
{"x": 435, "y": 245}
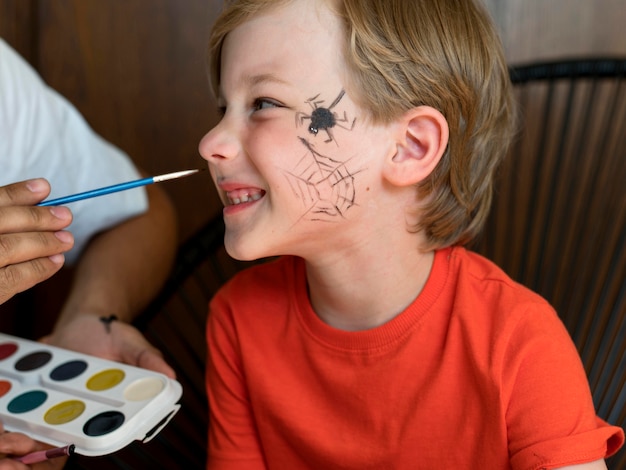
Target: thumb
{"x": 151, "y": 359}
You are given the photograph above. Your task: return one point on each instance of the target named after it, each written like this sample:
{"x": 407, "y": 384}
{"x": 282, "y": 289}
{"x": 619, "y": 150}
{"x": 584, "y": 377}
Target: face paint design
{"x": 324, "y": 185}
{"x": 324, "y": 118}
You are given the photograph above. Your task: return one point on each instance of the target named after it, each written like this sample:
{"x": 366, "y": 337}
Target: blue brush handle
{"x": 98, "y": 192}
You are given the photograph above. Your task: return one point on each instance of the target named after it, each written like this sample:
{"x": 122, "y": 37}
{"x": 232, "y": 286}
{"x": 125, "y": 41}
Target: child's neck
{"x": 351, "y": 296}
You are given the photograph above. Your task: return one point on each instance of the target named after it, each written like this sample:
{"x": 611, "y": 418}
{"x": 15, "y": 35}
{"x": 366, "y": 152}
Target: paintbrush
{"x": 43, "y": 455}
{"x": 117, "y": 187}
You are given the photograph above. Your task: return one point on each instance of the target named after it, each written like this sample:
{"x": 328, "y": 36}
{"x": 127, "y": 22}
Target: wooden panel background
{"x": 550, "y": 29}
{"x": 136, "y": 69}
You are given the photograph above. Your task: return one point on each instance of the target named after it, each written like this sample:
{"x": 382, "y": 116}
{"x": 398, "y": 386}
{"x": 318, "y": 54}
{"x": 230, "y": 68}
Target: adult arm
{"x": 123, "y": 243}
{"x": 119, "y": 272}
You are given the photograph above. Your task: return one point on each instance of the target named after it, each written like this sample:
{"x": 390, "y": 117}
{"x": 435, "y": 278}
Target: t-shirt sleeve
{"x": 233, "y": 439}
{"x": 551, "y": 420}
{"x": 43, "y": 135}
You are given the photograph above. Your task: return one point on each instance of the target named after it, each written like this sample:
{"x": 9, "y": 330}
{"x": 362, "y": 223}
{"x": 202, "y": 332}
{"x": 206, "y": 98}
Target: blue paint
{"x": 27, "y": 401}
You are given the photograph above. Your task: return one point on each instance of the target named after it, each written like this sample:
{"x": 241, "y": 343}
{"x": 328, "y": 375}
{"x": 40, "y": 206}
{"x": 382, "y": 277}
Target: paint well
{"x": 68, "y": 370}
{"x": 7, "y": 350}
{"x": 106, "y": 379}
{"x": 144, "y": 389}
{"x": 33, "y": 361}
{"x": 27, "y": 401}
{"x": 103, "y": 423}
{"x": 5, "y": 386}
{"x": 64, "y": 412}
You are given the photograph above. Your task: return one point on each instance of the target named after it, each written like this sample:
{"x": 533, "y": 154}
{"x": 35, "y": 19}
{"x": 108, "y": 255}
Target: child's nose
{"x": 217, "y": 144}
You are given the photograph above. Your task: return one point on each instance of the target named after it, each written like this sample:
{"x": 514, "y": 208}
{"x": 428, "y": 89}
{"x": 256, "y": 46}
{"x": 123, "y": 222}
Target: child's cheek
{"x": 322, "y": 176}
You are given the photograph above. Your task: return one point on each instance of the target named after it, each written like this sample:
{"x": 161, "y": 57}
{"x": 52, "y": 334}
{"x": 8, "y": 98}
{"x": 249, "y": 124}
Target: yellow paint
{"x": 106, "y": 379}
{"x": 64, "y": 412}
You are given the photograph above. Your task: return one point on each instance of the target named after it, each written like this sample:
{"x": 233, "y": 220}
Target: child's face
{"x": 294, "y": 160}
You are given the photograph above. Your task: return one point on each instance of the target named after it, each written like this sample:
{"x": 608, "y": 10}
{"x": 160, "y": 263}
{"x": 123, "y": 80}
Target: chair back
{"x": 557, "y": 224}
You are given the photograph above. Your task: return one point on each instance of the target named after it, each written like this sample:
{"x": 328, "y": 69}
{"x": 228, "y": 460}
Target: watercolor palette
{"x": 62, "y": 397}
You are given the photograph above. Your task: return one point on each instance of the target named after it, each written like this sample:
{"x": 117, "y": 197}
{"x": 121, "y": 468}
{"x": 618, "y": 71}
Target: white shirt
{"x": 43, "y": 135}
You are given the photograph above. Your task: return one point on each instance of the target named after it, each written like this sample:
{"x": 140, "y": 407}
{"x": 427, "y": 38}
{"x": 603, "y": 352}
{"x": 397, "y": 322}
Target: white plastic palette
{"x": 62, "y": 397}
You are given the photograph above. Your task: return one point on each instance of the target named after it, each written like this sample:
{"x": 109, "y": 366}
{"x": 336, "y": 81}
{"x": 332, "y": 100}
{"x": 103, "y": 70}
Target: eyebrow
{"x": 254, "y": 80}
{"x": 250, "y": 81}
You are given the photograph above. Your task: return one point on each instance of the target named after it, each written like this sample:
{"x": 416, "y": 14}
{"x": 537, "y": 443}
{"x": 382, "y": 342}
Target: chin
{"x": 240, "y": 252}
{"x": 239, "y": 255}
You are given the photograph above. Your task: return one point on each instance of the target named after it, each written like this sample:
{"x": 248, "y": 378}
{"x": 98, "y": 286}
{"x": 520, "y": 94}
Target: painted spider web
{"x": 324, "y": 185}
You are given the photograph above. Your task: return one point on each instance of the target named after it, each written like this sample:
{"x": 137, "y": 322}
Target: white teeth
{"x": 245, "y": 198}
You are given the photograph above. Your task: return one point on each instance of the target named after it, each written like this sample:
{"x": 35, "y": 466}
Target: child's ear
{"x": 421, "y": 140}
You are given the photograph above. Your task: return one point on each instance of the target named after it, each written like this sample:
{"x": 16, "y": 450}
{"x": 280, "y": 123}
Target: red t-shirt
{"x": 478, "y": 372}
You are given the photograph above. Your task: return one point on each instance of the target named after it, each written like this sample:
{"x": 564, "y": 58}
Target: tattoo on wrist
{"x": 107, "y": 322}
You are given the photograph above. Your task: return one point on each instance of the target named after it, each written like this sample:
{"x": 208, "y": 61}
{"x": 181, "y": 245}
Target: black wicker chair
{"x": 557, "y": 226}
{"x": 558, "y": 220}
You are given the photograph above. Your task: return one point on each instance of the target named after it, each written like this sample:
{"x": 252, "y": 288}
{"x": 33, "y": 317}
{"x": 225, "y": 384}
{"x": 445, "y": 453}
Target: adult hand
{"x": 114, "y": 340}
{"x": 14, "y": 444}
{"x": 32, "y": 239}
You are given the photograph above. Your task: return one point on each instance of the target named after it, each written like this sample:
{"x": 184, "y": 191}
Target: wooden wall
{"x": 550, "y": 29}
{"x": 136, "y": 69}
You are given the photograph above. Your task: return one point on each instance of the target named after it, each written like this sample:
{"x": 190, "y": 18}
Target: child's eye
{"x": 265, "y": 103}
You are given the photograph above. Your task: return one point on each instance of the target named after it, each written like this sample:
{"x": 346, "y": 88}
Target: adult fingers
{"x": 19, "y": 214}
{"x": 20, "y": 247}
{"x": 24, "y": 193}
{"x": 15, "y": 219}
{"x": 16, "y": 443}
{"x": 17, "y": 278}
{"x": 152, "y": 359}
{"x": 134, "y": 349}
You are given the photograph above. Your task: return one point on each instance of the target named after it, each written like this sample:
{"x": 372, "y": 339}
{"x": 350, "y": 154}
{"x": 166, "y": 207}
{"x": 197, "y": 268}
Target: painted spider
{"x": 324, "y": 118}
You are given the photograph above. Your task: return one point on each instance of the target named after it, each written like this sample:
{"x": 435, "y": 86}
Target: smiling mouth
{"x": 243, "y": 196}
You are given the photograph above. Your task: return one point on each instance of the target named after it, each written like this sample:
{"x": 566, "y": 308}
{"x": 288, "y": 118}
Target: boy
{"x": 358, "y": 142}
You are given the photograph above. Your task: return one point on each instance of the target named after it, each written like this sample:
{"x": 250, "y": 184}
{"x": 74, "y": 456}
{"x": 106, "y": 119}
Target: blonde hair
{"x": 440, "y": 53}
